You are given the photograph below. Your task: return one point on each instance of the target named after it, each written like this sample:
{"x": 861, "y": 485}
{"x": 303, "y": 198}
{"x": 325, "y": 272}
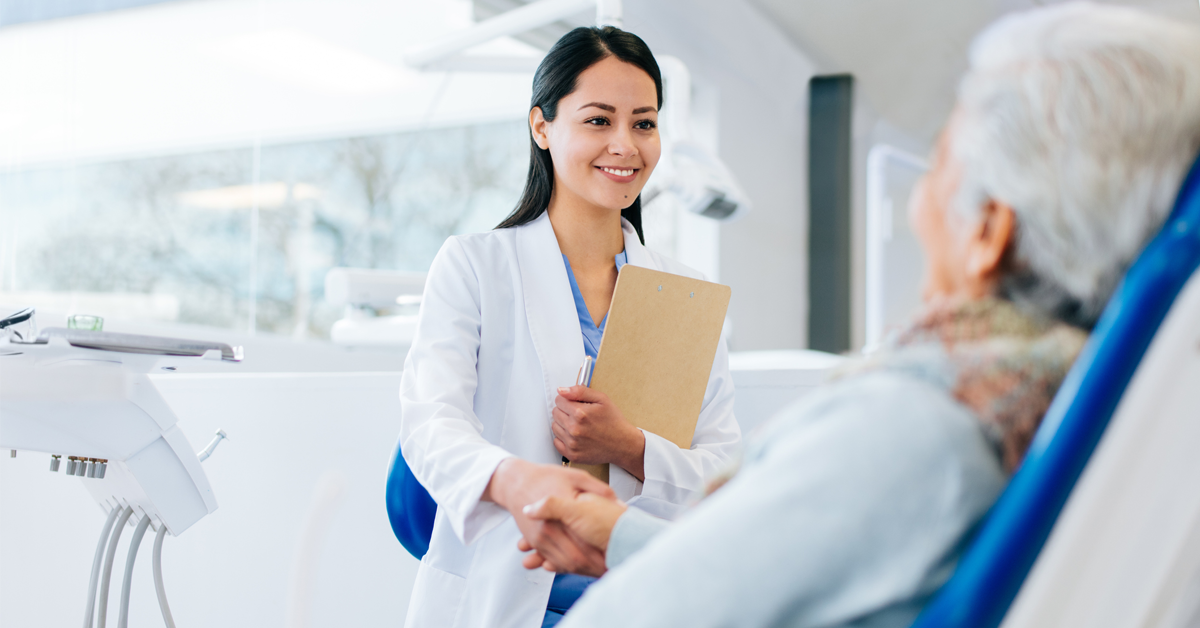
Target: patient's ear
{"x": 989, "y": 241}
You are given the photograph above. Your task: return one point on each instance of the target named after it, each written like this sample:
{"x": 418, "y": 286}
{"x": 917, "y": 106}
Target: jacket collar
{"x": 635, "y": 253}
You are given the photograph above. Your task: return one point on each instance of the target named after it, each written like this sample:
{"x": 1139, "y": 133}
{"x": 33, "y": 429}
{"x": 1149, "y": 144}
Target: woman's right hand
{"x": 517, "y": 483}
{"x": 590, "y": 518}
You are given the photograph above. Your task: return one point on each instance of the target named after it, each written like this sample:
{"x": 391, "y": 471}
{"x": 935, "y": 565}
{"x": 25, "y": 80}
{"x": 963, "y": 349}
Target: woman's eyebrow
{"x": 612, "y": 109}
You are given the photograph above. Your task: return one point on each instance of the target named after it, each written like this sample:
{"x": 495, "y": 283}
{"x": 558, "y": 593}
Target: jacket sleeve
{"x": 633, "y": 531}
{"x": 676, "y": 477}
{"x": 853, "y": 504}
{"x": 440, "y": 435}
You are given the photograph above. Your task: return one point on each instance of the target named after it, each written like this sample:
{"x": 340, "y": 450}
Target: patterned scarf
{"x": 1006, "y": 365}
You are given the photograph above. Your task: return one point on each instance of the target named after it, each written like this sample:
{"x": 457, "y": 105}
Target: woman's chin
{"x": 614, "y": 204}
{"x": 615, "y": 196}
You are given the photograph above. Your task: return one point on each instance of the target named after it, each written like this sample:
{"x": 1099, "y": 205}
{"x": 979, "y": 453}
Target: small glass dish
{"x": 85, "y": 321}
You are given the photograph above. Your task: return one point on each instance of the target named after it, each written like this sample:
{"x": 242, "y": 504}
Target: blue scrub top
{"x": 592, "y": 333}
{"x": 568, "y": 588}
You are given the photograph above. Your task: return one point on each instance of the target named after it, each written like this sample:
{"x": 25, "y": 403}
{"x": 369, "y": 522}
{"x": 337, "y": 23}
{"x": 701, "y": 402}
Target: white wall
{"x": 760, "y": 82}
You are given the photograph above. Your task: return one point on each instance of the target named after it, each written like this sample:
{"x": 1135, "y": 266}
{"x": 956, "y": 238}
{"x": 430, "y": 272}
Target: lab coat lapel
{"x": 635, "y": 252}
{"x": 549, "y": 306}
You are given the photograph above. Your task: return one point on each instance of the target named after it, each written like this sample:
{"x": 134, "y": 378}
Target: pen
{"x": 585, "y": 372}
{"x": 583, "y": 379}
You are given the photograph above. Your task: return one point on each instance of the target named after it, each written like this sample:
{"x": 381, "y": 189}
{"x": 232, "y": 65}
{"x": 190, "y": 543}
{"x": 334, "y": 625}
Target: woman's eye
{"x": 601, "y": 121}
{"x": 645, "y": 125}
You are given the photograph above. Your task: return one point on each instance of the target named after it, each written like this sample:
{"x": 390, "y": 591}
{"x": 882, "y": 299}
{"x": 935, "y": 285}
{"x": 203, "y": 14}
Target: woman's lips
{"x": 620, "y": 175}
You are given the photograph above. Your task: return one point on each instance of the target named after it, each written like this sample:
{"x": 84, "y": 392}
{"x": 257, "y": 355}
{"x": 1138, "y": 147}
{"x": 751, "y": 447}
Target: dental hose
{"x": 102, "y": 616}
{"x": 96, "y": 562}
{"x": 158, "y": 580}
{"x": 138, "y": 533}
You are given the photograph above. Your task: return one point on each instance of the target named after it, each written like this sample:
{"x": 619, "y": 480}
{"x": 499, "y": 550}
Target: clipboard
{"x": 657, "y": 352}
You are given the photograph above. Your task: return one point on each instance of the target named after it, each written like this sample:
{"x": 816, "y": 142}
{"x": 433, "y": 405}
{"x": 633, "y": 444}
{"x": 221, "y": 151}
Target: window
{"x": 208, "y": 162}
{"x": 191, "y": 237}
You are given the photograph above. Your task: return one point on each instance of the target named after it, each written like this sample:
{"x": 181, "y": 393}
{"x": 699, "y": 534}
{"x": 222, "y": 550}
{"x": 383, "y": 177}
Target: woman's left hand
{"x": 589, "y": 429}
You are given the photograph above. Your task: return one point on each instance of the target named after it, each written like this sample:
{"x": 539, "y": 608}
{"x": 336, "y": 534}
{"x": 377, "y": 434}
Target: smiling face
{"x": 604, "y": 140}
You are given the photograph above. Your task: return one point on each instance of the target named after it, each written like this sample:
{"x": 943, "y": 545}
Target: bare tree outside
{"x": 181, "y": 224}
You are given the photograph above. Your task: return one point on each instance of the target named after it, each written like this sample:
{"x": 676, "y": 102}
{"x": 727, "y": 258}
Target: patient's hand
{"x": 588, "y": 517}
{"x": 586, "y": 560}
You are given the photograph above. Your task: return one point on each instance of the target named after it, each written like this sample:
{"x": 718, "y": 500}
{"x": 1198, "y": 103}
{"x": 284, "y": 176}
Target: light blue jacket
{"x": 850, "y": 509}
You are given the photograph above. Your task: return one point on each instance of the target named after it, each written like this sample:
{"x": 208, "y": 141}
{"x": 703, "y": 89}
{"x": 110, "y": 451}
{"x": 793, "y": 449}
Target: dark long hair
{"x": 556, "y": 77}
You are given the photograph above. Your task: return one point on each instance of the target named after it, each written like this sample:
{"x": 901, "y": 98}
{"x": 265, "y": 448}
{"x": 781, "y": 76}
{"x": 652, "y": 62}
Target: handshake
{"x": 565, "y": 515}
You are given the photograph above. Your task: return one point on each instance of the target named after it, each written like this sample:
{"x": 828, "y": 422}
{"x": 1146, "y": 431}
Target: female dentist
{"x": 488, "y": 409}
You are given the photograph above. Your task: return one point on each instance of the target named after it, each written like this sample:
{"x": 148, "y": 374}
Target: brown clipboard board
{"x": 657, "y": 352}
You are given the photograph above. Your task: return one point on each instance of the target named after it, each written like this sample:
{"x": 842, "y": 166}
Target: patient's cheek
{"x": 940, "y": 241}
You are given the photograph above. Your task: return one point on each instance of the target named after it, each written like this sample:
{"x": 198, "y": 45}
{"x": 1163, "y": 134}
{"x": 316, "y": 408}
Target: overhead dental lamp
{"x": 698, "y": 180}
{"x": 689, "y": 173}
{"x": 444, "y": 53}
{"x": 85, "y": 398}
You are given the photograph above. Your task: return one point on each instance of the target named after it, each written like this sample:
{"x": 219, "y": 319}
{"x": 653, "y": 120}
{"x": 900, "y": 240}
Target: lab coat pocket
{"x": 436, "y": 597}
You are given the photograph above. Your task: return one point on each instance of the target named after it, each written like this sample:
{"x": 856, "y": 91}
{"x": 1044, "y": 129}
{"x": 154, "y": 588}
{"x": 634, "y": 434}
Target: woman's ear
{"x": 990, "y": 241}
{"x": 538, "y": 127}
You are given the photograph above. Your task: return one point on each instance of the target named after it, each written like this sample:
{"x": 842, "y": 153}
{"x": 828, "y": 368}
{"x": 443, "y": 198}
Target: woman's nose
{"x": 622, "y": 144}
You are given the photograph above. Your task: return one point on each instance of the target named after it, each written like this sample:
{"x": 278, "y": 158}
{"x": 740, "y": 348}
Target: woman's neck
{"x": 588, "y": 235}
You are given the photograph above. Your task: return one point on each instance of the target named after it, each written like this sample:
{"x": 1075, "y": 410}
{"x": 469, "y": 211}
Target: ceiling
{"x": 210, "y": 74}
{"x": 906, "y": 57}
{"x": 542, "y": 37}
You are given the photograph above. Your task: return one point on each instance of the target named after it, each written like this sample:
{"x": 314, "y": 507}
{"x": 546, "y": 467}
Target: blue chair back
{"x": 410, "y": 509}
{"x": 993, "y": 568}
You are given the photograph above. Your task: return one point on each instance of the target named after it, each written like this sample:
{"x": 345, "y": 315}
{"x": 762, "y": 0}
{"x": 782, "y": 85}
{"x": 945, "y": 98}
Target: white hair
{"x": 1084, "y": 119}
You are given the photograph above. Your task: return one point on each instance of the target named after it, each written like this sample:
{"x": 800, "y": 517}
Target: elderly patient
{"x": 1073, "y": 130}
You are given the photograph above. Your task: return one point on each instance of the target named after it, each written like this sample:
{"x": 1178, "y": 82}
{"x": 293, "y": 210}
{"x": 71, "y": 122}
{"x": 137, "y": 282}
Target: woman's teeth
{"x": 619, "y": 173}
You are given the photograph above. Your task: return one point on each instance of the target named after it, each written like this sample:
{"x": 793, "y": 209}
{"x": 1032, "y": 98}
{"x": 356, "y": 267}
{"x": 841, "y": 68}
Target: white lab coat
{"x": 498, "y": 334}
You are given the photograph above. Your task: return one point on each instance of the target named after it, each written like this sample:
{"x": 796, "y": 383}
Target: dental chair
{"x": 1110, "y": 539}
{"x": 410, "y": 509}
{"x": 1105, "y": 509}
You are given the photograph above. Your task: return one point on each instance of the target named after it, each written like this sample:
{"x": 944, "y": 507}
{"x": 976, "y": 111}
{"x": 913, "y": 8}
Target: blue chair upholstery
{"x": 409, "y": 507}
{"x": 992, "y": 570}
